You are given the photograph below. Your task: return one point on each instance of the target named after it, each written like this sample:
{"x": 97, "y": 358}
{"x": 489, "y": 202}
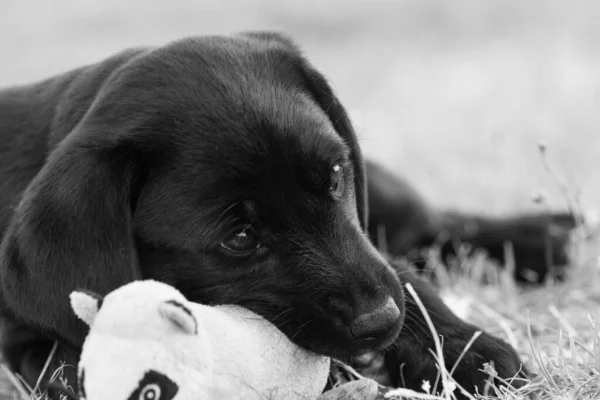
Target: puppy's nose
{"x": 374, "y": 324}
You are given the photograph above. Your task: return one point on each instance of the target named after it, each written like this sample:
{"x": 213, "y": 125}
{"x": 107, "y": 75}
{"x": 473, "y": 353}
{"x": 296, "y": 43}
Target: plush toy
{"x": 147, "y": 342}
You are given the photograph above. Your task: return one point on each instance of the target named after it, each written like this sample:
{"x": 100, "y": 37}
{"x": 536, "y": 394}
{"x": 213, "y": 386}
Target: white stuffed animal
{"x": 147, "y": 342}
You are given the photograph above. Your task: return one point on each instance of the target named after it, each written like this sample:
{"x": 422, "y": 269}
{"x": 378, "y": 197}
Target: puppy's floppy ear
{"x": 323, "y": 95}
{"x": 71, "y": 229}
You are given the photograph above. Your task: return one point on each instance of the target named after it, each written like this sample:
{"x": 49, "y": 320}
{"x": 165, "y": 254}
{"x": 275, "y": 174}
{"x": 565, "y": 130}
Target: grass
{"x": 555, "y": 328}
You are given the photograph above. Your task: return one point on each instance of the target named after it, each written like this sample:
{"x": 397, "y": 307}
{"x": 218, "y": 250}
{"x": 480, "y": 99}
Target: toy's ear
{"x": 86, "y": 305}
{"x": 180, "y": 316}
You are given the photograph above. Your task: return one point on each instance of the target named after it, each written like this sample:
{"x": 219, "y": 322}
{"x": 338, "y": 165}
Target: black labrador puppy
{"x": 224, "y": 166}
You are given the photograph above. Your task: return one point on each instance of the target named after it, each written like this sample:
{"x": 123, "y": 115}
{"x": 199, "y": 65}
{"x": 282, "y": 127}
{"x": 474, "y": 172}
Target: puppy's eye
{"x": 241, "y": 243}
{"x": 335, "y": 180}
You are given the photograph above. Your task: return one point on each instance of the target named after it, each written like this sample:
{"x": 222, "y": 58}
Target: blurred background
{"x": 454, "y": 96}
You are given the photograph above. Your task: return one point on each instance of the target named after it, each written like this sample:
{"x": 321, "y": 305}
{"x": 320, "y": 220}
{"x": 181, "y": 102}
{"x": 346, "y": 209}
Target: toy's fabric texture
{"x": 147, "y": 342}
{"x": 345, "y": 383}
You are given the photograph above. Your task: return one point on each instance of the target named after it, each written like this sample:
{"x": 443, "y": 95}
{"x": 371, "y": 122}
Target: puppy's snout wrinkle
{"x": 373, "y": 324}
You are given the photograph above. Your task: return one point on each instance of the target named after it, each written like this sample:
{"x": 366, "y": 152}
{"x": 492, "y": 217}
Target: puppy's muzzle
{"x": 375, "y": 324}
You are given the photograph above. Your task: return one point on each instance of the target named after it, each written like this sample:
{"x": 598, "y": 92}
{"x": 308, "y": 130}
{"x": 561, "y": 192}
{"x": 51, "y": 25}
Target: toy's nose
{"x": 376, "y": 323}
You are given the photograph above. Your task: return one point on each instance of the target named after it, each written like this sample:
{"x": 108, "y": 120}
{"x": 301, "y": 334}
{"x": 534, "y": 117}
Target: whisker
{"x": 300, "y": 329}
{"x": 281, "y": 313}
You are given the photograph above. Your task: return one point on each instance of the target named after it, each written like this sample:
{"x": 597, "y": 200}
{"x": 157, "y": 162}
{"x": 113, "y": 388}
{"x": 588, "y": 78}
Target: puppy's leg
{"x": 26, "y": 354}
{"x": 399, "y": 218}
{"x": 410, "y": 362}
{"x": 539, "y": 241}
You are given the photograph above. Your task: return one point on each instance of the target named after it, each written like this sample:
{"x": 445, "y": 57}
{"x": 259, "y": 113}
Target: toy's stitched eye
{"x": 155, "y": 386}
{"x": 241, "y": 243}
{"x": 150, "y": 392}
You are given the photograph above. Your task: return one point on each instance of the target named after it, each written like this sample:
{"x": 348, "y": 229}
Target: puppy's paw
{"x": 488, "y": 359}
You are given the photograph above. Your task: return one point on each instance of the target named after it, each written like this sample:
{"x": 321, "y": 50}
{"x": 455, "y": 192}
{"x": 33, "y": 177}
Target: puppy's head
{"x": 246, "y": 186}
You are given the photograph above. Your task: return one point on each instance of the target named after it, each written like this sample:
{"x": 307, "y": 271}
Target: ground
{"x": 455, "y": 96}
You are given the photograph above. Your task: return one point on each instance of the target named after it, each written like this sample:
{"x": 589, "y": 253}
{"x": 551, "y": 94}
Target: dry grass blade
{"x": 448, "y": 384}
{"x": 21, "y": 391}
{"x": 467, "y": 347}
{"x": 446, "y": 388}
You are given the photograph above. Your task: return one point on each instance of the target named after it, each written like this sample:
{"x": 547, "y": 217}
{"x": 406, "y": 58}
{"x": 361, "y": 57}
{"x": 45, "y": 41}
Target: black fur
{"x": 402, "y": 221}
{"x": 140, "y": 166}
